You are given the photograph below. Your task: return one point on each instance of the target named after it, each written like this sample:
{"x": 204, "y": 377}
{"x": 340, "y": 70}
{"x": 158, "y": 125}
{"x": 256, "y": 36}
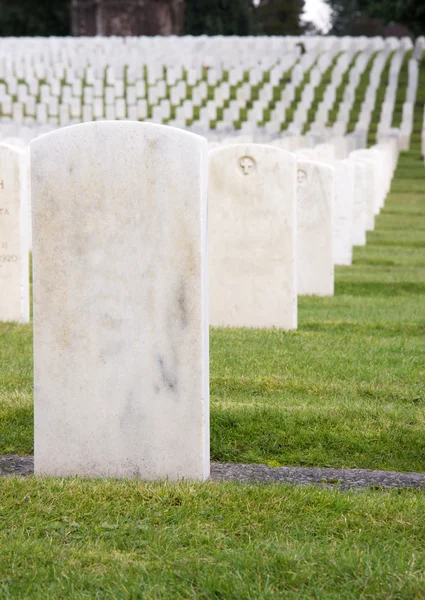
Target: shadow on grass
{"x": 375, "y": 240}
{"x": 279, "y": 437}
{"x": 378, "y": 288}
{"x": 345, "y": 327}
{"x": 16, "y": 431}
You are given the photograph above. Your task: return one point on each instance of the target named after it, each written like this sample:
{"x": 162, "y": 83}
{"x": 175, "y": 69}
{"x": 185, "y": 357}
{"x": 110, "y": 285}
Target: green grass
{"x": 16, "y": 389}
{"x": 128, "y": 540}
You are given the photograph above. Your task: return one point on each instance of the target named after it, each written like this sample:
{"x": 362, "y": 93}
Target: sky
{"x": 318, "y": 12}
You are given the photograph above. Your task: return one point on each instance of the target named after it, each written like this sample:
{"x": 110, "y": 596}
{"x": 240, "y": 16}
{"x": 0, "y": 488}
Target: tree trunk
{"x": 127, "y": 17}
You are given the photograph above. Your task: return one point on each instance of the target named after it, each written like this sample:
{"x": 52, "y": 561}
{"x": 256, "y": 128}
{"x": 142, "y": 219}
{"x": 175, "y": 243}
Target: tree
{"x": 219, "y": 17}
{"x": 280, "y": 17}
{"x": 408, "y": 13}
{"x": 242, "y": 17}
{"x": 91, "y": 17}
{"x": 40, "y": 18}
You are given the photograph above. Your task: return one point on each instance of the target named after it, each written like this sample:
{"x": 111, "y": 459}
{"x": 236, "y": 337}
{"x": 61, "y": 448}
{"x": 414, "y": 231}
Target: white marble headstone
{"x": 371, "y": 184}
{"x": 120, "y": 311}
{"x": 252, "y": 237}
{"x": 315, "y": 206}
{"x": 343, "y": 212}
{"x": 360, "y": 204}
{"x": 14, "y": 236}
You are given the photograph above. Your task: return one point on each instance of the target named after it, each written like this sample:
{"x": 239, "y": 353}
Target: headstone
{"x": 315, "y": 202}
{"x": 343, "y": 212}
{"x": 252, "y": 237}
{"x": 371, "y": 183}
{"x": 14, "y": 236}
{"x": 120, "y": 323}
{"x": 360, "y": 204}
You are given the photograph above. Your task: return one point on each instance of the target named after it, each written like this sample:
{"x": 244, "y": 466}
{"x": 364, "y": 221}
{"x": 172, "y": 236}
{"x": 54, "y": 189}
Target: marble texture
{"x": 315, "y": 206}
{"x": 252, "y": 237}
{"x": 120, "y": 302}
{"x": 14, "y": 236}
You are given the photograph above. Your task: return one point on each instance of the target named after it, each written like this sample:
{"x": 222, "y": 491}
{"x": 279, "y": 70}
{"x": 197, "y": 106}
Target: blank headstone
{"x": 343, "y": 212}
{"x": 14, "y": 236}
{"x": 371, "y": 184}
{"x": 360, "y": 204}
{"x": 120, "y": 323}
{"x": 315, "y": 202}
{"x": 251, "y": 237}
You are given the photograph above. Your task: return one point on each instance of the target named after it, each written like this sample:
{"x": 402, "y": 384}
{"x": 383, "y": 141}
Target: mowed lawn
{"x": 118, "y": 540}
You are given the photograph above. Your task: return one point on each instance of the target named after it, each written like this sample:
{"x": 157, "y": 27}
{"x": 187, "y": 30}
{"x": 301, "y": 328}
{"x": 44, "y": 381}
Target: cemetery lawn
{"x": 72, "y": 538}
{"x": 345, "y": 390}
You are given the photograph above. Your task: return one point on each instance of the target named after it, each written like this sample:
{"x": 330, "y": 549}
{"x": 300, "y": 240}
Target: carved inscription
{"x": 8, "y": 258}
{"x": 301, "y": 176}
{"x": 247, "y": 165}
{"x": 1, "y": 184}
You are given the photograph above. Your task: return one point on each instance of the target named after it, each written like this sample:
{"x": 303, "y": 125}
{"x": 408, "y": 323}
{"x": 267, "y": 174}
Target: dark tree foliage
{"x": 280, "y": 17}
{"x": 202, "y": 17}
{"x": 407, "y": 13}
{"x": 219, "y": 17}
{"x": 35, "y": 17}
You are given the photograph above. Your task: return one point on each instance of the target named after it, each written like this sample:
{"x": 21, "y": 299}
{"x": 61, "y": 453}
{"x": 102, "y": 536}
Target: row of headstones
{"x": 69, "y": 96}
{"x": 86, "y": 97}
{"x": 120, "y": 278}
{"x": 190, "y": 51}
{"x": 339, "y": 193}
{"x": 351, "y": 212}
{"x": 233, "y": 112}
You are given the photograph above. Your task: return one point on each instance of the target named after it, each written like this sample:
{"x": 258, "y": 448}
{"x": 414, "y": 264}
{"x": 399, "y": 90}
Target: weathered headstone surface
{"x": 252, "y": 237}
{"x": 315, "y": 202}
{"x": 120, "y": 323}
{"x": 14, "y": 236}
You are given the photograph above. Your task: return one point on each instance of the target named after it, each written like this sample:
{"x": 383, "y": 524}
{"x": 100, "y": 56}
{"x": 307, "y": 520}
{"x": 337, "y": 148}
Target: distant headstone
{"x": 360, "y": 204}
{"x": 14, "y": 236}
{"x": 371, "y": 184}
{"x": 252, "y": 237}
{"x": 343, "y": 212}
{"x": 315, "y": 205}
{"x": 120, "y": 323}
